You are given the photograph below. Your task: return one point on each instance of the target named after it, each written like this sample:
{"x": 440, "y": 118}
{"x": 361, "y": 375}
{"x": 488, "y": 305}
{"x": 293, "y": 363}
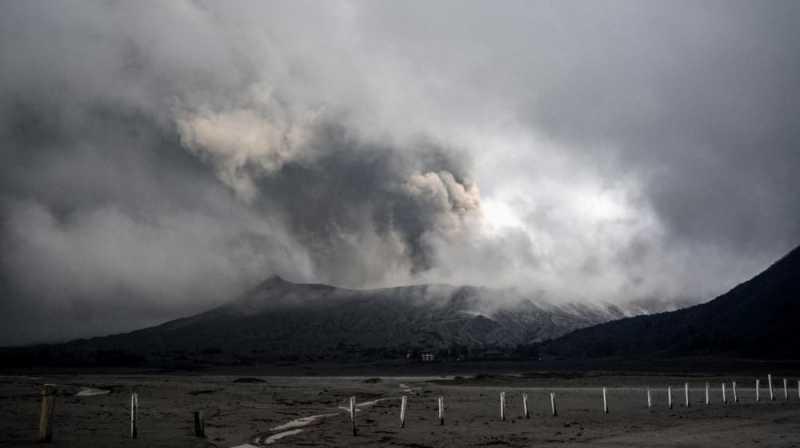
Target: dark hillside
{"x": 758, "y": 318}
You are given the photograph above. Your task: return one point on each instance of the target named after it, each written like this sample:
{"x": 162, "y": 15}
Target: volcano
{"x": 282, "y": 320}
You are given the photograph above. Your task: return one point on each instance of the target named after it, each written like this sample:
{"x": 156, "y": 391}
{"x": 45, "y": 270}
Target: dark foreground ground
{"x": 262, "y": 413}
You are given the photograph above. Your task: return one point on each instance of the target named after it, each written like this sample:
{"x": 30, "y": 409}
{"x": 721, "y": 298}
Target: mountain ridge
{"x": 279, "y": 319}
{"x": 753, "y": 319}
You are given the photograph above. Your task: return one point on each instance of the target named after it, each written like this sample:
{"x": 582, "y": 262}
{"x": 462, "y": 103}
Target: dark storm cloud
{"x": 113, "y": 224}
{"x": 360, "y": 197}
{"x": 159, "y": 158}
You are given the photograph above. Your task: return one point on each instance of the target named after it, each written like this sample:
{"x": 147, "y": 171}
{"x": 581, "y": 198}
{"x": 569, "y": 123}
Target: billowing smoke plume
{"x": 249, "y": 140}
{"x": 159, "y": 158}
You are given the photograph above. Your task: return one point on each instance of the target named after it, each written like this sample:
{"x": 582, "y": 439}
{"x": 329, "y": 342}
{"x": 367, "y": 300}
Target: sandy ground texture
{"x": 94, "y": 411}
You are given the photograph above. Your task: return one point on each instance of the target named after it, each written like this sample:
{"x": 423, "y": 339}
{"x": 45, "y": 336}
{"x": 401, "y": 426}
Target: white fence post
{"x": 605, "y": 402}
{"x": 686, "y": 394}
{"x": 650, "y": 400}
{"x": 708, "y": 397}
{"x": 525, "y": 406}
{"x": 441, "y": 411}
{"x": 724, "y": 397}
{"x": 403, "y": 404}
{"x": 771, "y": 391}
{"x": 785, "y": 389}
{"x": 669, "y": 396}
{"x": 735, "y": 397}
{"x": 553, "y": 407}
{"x": 758, "y": 390}
{"x": 353, "y": 414}
{"x": 502, "y": 406}
{"x": 134, "y": 415}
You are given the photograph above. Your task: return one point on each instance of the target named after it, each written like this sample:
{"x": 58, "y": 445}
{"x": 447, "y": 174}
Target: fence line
{"x": 48, "y": 395}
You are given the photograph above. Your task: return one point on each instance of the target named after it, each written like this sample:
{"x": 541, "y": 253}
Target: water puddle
{"x": 296, "y": 426}
{"x": 91, "y": 392}
{"x": 275, "y": 437}
{"x": 302, "y": 421}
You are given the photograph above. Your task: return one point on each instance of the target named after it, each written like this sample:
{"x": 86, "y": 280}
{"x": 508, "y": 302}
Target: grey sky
{"x": 159, "y": 158}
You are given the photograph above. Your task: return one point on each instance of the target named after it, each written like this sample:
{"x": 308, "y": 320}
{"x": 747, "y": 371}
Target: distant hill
{"x": 281, "y": 320}
{"x": 759, "y": 318}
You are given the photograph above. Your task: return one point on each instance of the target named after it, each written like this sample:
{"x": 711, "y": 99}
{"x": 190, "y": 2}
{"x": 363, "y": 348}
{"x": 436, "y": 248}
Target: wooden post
{"x": 649, "y": 400}
{"x": 441, "y": 411}
{"x": 553, "y": 407}
{"x": 771, "y": 391}
{"x": 758, "y": 390}
{"x": 525, "y": 412}
{"x": 502, "y": 406}
{"x": 724, "y": 397}
{"x": 669, "y": 396}
{"x": 686, "y": 395}
{"x": 46, "y": 415}
{"x": 403, "y": 404}
{"x": 785, "y": 389}
{"x": 353, "y": 415}
{"x": 134, "y": 415}
{"x": 605, "y": 402}
{"x": 735, "y": 397}
{"x": 708, "y": 397}
{"x": 199, "y": 424}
